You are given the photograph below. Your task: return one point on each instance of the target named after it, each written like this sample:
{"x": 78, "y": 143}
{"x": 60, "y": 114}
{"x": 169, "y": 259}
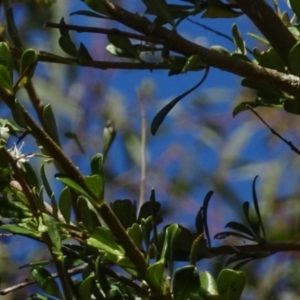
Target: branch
{"x": 270, "y": 25}
{"x": 97, "y": 64}
{"x": 27, "y": 282}
{"x": 270, "y": 248}
{"x": 289, "y": 143}
{"x": 176, "y": 43}
{"x": 105, "y": 31}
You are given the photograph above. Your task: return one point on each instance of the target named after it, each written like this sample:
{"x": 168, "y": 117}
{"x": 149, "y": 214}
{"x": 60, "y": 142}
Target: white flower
{"x": 4, "y": 133}
{"x": 16, "y": 153}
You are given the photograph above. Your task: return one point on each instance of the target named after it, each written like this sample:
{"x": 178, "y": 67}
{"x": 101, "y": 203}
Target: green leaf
{"x": 103, "y": 240}
{"x": 109, "y": 134}
{"x": 186, "y": 282}
{"x": 171, "y": 232}
{"x": 239, "y": 227}
{"x": 88, "y": 215}
{"x": 295, "y": 7}
{"x": 160, "y": 9}
{"x": 193, "y": 63}
{"x": 28, "y": 64}
{"x": 271, "y": 59}
{"x": 65, "y": 42}
{"x": 147, "y": 209}
{"x": 83, "y": 53}
{"x": 217, "y": 9}
{"x": 97, "y": 5}
{"x": 74, "y": 136}
{"x": 97, "y": 164}
{"x": 18, "y": 113}
{"x": 53, "y": 233}
{"x": 50, "y": 124}
{"x": 221, "y": 50}
{"x": 72, "y": 184}
{"x": 114, "y": 293}
{"x": 65, "y": 203}
{"x": 199, "y": 221}
{"x": 85, "y": 288}
{"x": 292, "y": 106}
{"x": 39, "y": 297}
{"x": 155, "y": 276}
{"x": 294, "y": 59}
{"x": 125, "y": 211}
{"x": 259, "y": 38}
{"x": 21, "y": 230}
{"x": 6, "y": 59}
{"x": 45, "y": 181}
{"x": 160, "y": 116}
{"x": 30, "y": 175}
{"x": 224, "y": 234}
{"x": 238, "y": 40}
{"x": 199, "y": 250}
{"x": 121, "y": 46}
{"x": 244, "y": 106}
{"x": 205, "y": 208}
{"x": 256, "y": 206}
{"x": 88, "y": 13}
{"x": 12, "y": 30}
{"x": 95, "y": 184}
{"x": 5, "y": 79}
{"x": 44, "y": 279}
{"x": 136, "y": 234}
{"x": 231, "y": 284}
{"x": 208, "y": 283}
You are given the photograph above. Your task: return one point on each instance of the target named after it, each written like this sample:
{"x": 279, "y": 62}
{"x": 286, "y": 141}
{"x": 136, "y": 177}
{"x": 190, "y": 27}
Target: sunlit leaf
{"x": 155, "y": 275}
{"x": 259, "y": 38}
{"x": 21, "y": 230}
{"x": 238, "y": 40}
{"x": 136, "y": 234}
{"x": 102, "y": 239}
{"x": 28, "y": 64}
{"x": 208, "y": 283}
{"x": 193, "y": 63}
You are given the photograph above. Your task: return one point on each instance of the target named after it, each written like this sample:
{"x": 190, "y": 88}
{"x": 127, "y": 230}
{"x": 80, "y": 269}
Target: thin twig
{"x": 289, "y": 143}
{"x": 27, "y": 282}
{"x": 143, "y": 147}
{"x": 216, "y": 32}
{"x": 115, "y": 31}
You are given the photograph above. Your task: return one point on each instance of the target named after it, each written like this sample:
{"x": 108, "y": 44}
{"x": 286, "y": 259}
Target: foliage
{"x": 120, "y": 250}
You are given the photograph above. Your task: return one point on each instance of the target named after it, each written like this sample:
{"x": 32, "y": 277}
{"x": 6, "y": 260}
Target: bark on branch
{"x": 270, "y": 25}
{"x": 176, "y": 43}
